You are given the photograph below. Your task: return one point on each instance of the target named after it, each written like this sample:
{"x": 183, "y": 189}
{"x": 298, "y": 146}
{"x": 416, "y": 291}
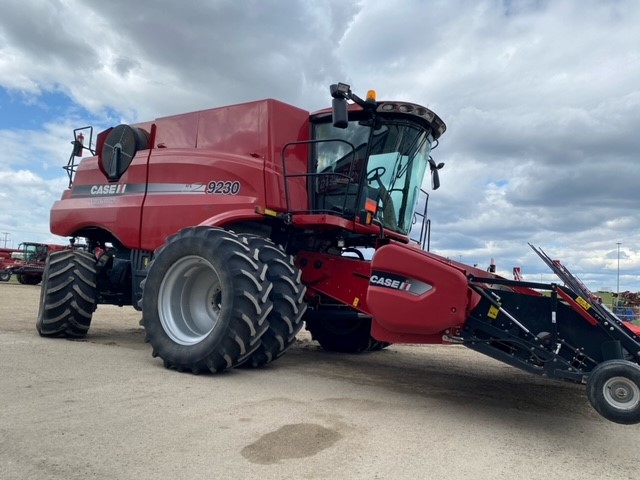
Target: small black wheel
{"x": 5, "y": 275}
{"x": 613, "y": 389}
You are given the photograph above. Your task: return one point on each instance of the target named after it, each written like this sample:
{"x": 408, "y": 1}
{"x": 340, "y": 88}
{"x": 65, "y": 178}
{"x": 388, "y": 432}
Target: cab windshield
{"x": 389, "y": 155}
{"x": 33, "y": 252}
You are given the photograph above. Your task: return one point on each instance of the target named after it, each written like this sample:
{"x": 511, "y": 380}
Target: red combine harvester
{"x": 230, "y": 228}
{"x": 27, "y": 262}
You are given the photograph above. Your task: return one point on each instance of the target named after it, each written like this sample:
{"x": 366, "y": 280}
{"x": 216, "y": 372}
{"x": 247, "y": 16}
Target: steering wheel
{"x": 375, "y": 174}
{"x": 389, "y": 219}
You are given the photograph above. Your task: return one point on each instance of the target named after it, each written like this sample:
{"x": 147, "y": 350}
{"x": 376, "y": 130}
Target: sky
{"x": 541, "y": 101}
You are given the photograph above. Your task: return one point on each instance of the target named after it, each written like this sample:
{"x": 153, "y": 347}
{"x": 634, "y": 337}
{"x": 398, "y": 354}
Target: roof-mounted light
{"x": 340, "y": 90}
{"x": 437, "y": 125}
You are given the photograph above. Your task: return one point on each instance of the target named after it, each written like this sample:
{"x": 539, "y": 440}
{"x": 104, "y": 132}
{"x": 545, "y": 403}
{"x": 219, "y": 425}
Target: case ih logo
{"x": 389, "y": 282}
{"x": 113, "y": 189}
{"x": 396, "y": 282}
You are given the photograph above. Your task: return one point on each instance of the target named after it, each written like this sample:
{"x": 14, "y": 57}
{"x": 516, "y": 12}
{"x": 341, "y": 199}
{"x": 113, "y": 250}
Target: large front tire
{"x": 205, "y": 301}
{"x": 613, "y": 388}
{"x": 285, "y": 320}
{"x": 67, "y": 295}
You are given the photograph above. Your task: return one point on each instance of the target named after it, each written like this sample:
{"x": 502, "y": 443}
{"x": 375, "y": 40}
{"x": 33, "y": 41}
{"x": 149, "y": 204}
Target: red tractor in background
{"x": 27, "y": 262}
{"x": 229, "y": 228}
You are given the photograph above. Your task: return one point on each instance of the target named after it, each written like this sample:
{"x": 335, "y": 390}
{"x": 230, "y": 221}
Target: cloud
{"x": 32, "y": 197}
{"x": 146, "y": 60}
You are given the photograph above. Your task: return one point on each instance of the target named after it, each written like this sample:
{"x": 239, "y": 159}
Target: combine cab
{"x": 230, "y": 228}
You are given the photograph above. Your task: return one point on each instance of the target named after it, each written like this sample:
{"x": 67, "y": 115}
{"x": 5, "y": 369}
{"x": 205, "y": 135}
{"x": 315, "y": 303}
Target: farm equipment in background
{"x": 625, "y": 313}
{"x": 27, "y": 262}
{"x": 230, "y": 228}
{"x": 7, "y": 260}
{"x": 627, "y": 305}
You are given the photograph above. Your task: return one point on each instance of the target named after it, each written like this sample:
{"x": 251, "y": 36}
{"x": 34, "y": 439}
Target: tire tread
{"x": 68, "y": 295}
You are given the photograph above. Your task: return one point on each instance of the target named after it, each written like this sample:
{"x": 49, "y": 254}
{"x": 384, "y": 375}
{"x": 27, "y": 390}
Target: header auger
{"x": 230, "y": 228}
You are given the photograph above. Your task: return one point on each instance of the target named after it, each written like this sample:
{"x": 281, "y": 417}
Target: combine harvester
{"x": 230, "y": 228}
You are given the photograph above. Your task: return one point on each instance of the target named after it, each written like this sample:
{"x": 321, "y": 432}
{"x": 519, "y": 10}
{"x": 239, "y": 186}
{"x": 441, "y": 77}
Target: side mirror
{"x": 78, "y": 145}
{"x": 435, "y": 180}
{"x": 339, "y": 113}
{"x": 435, "y": 176}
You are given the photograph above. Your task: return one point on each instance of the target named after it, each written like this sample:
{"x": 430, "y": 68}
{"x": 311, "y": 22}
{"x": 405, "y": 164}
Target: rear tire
{"x": 5, "y": 276}
{"x": 613, "y": 388}
{"x": 287, "y": 295}
{"x": 67, "y": 295}
{"x": 205, "y": 301}
{"x": 336, "y": 333}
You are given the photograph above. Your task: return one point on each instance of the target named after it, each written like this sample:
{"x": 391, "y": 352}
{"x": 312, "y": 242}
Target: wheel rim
{"x": 622, "y": 393}
{"x": 189, "y": 300}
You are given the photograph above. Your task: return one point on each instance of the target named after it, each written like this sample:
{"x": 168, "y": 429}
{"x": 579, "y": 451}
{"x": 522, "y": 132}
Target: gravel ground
{"x": 104, "y": 408}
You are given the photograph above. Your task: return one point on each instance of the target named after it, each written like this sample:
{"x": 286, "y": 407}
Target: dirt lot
{"x": 104, "y": 408}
